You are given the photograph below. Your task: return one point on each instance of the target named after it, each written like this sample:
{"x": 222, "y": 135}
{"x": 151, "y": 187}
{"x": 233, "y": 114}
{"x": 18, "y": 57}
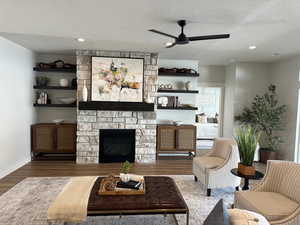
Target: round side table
{"x": 257, "y": 176}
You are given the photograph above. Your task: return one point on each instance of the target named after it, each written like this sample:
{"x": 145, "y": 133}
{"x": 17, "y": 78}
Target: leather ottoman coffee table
{"x": 162, "y": 197}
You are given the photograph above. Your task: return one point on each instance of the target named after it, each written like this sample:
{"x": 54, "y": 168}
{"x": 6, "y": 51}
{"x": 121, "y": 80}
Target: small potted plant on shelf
{"x": 266, "y": 115}
{"x": 247, "y": 140}
{"x": 126, "y": 166}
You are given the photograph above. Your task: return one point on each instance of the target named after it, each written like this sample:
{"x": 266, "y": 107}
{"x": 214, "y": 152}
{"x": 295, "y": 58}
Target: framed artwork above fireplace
{"x": 117, "y": 79}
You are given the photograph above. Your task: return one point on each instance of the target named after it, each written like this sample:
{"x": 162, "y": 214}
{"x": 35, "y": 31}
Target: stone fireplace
{"x": 91, "y": 122}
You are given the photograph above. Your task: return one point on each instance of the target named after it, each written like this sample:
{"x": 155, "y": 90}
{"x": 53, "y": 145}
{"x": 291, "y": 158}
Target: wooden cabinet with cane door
{"x": 53, "y": 138}
{"x": 176, "y": 139}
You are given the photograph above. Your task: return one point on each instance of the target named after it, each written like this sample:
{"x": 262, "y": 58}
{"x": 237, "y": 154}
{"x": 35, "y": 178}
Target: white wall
{"x": 16, "y": 113}
{"x": 285, "y": 75}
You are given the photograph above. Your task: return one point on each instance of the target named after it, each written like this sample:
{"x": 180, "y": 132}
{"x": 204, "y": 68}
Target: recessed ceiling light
{"x": 80, "y": 39}
{"x": 252, "y": 47}
{"x": 169, "y": 43}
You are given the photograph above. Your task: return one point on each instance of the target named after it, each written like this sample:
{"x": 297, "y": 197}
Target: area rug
{"x": 28, "y": 201}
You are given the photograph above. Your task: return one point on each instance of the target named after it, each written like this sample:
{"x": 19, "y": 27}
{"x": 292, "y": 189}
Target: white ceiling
{"x": 52, "y": 26}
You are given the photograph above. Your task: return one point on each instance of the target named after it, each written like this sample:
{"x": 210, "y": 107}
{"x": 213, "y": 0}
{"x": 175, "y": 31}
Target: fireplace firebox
{"x": 116, "y": 145}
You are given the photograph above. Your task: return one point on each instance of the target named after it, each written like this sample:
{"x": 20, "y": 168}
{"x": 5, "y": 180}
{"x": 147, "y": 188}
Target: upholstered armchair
{"x": 277, "y": 196}
{"x": 213, "y": 169}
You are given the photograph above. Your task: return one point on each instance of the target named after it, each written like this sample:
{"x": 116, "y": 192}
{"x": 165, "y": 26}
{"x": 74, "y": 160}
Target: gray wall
{"x": 285, "y": 75}
{"x": 243, "y": 81}
{"x": 251, "y": 79}
{"x": 230, "y": 78}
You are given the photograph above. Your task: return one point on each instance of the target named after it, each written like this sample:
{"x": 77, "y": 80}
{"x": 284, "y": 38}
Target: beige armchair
{"x": 213, "y": 169}
{"x": 277, "y": 196}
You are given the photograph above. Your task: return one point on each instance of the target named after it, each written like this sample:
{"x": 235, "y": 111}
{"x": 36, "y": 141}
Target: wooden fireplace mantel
{"x": 116, "y": 106}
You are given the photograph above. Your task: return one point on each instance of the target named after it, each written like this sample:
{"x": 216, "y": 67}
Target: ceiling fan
{"x": 182, "y": 39}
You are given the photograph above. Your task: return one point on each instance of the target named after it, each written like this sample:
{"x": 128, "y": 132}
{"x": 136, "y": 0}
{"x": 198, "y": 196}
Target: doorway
{"x": 209, "y": 116}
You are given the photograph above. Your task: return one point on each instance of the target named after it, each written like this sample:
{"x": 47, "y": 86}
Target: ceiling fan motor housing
{"x": 182, "y": 39}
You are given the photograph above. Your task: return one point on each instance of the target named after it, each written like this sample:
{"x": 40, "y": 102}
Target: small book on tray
{"x": 129, "y": 185}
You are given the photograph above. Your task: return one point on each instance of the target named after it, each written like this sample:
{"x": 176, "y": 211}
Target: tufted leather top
{"x": 162, "y": 195}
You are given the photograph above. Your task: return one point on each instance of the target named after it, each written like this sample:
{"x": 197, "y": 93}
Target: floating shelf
{"x": 177, "y": 91}
{"x": 54, "y": 87}
{"x": 177, "y": 108}
{"x": 55, "y": 105}
{"x": 178, "y": 74}
{"x": 56, "y": 70}
{"x": 117, "y": 106}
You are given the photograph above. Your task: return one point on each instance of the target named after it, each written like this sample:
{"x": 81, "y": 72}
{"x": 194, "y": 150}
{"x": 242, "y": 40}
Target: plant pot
{"x": 124, "y": 177}
{"x": 265, "y": 155}
{"x": 246, "y": 170}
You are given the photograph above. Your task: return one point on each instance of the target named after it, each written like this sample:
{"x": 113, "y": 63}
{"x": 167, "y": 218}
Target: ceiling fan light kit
{"x": 182, "y": 39}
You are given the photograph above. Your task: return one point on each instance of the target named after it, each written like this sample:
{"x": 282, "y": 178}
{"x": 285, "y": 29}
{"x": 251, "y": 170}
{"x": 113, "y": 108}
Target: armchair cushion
{"x": 222, "y": 147}
{"x": 208, "y": 162}
{"x": 274, "y": 206}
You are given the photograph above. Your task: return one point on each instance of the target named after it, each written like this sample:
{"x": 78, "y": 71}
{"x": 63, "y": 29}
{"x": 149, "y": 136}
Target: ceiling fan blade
{"x": 172, "y": 45}
{"x": 209, "y": 37}
{"x": 162, "y": 33}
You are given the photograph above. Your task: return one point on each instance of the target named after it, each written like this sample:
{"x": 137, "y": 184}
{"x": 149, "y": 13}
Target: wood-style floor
{"x": 70, "y": 168}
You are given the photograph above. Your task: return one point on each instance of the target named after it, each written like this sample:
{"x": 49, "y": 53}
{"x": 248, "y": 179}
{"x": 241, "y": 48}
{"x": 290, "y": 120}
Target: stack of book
{"x": 135, "y": 185}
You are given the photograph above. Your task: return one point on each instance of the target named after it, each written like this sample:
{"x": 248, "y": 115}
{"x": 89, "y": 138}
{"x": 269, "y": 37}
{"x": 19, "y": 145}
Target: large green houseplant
{"x": 266, "y": 115}
{"x": 247, "y": 139}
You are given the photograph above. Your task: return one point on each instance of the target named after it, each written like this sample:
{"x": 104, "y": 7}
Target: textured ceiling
{"x": 52, "y": 26}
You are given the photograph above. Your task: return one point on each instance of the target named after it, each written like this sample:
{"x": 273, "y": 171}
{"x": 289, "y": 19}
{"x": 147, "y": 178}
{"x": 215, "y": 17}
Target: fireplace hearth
{"x": 116, "y": 145}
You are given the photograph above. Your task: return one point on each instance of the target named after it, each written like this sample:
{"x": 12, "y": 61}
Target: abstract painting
{"x": 117, "y": 79}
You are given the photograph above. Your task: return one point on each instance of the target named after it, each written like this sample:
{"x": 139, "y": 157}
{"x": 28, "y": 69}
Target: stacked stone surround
{"x": 89, "y": 122}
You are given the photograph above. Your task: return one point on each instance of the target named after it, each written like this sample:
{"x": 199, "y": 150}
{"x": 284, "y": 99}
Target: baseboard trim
{"x": 14, "y": 167}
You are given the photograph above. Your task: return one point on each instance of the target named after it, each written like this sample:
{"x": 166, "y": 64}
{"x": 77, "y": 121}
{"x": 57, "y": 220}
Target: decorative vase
{"x": 124, "y": 177}
{"x": 148, "y": 99}
{"x": 246, "y": 170}
{"x": 84, "y": 92}
{"x": 64, "y": 82}
{"x": 187, "y": 85}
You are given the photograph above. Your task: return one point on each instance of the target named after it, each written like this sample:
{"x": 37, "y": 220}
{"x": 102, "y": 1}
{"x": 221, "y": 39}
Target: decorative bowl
{"x": 177, "y": 123}
{"x": 67, "y": 100}
{"x": 58, "y": 121}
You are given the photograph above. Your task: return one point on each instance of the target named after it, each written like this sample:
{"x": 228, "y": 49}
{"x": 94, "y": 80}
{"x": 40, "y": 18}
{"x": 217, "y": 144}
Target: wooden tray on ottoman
{"x": 120, "y": 191}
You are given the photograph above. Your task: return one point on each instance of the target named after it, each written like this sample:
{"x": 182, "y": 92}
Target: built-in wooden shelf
{"x": 56, "y": 70}
{"x": 55, "y": 105}
{"x": 172, "y": 74}
{"x": 178, "y": 91}
{"x": 177, "y": 108}
{"x": 54, "y": 87}
{"x": 116, "y": 106}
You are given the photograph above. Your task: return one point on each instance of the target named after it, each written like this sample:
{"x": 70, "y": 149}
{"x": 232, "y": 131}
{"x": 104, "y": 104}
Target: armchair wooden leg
{"x": 237, "y": 188}
{"x": 195, "y": 178}
{"x": 208, "y": 192}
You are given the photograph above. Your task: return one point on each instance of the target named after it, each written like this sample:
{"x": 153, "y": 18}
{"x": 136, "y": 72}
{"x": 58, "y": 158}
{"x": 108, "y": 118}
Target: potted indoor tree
{"x": 247, "y": 139}
{"x": 266, "y": 115}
